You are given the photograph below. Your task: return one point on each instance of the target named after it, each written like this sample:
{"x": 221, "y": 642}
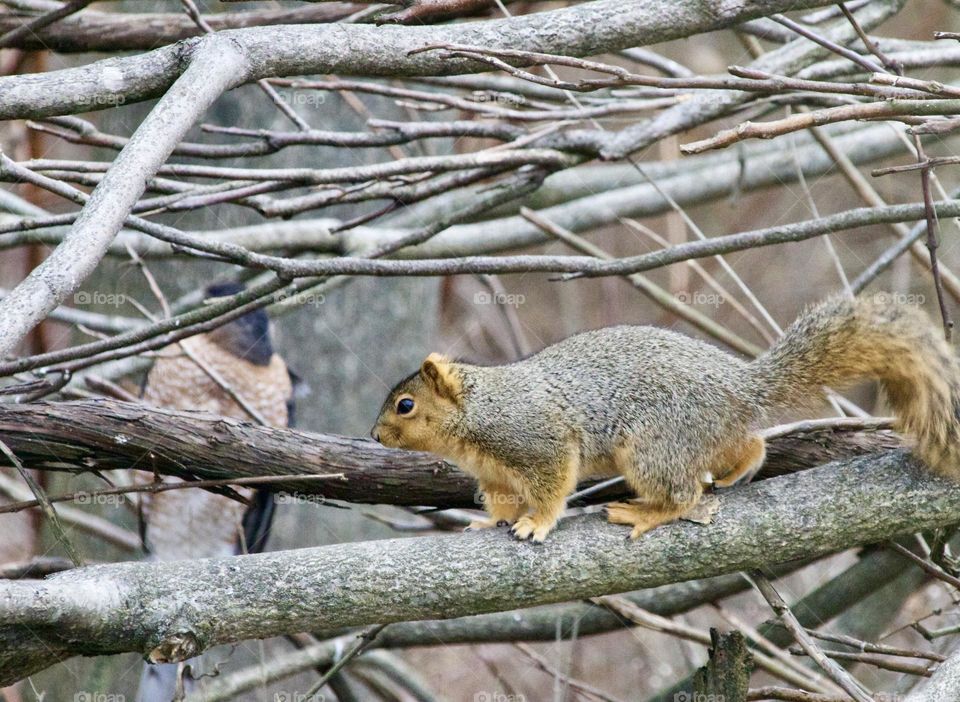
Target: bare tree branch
{"x": 138, "y": 607}
{"x": 107, "y": 435}
{"x": 849, "y": 684}
{"x": 372, "y": 51}
{"x": 17, "y": 34}
{"x": 581, "y": 199}
{"x": 785, "y": 60}
{"x": 218, "y": 67}
{"x": 540, "y": 102}
{"x": 129, "y": 31}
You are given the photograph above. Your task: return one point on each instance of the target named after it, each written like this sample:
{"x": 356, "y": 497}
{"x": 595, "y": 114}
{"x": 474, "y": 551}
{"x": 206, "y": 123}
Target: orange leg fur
{"x": 548, "y": 504}
{"x": 744, "y": 459}
{"x": 656, "y": 510}
{"x": 504, "y": 505}
{"x": 540, "y": 522}
{"x": 658, "y": 502}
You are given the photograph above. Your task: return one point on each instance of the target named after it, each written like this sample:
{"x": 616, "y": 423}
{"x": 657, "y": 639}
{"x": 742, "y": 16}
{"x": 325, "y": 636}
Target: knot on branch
{"x": 176, "y": 647}
{"x": 185, "y": 48}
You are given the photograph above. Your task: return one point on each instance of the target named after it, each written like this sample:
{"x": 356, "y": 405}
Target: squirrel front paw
{"x": 478, "y": 524}
{"x": 529, "y": 528}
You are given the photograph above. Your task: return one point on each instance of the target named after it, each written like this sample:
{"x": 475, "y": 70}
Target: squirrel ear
{"x": 437, "y": 371}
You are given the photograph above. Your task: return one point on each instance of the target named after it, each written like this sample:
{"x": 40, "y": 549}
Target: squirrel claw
{"x": 520, "y": 534}
{"x": 525, "y": 529}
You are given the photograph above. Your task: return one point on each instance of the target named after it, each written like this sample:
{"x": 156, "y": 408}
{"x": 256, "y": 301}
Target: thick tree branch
{"x": 378, "y": 51}
{"x": 216, "y": 68}
{"x": 109, "y": 435}
{"x": 534, "y": 624}
{"x": 126, "y": 31}
{"x": 139, "y": 606}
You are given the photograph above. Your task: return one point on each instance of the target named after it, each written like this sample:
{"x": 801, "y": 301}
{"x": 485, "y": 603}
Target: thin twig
{"x": 890, "y": 64}
{"x": 363, "y": 641}
{"x": 46, "y": 505}
{"x": 785, "y": 694}
{"x": 669, "y": 302}
{"x": 893, "y": 109}
{"x": 826, "y": 685}
{"x": 828, "y": 44}
{"x": 877, "y": 661}
{"x": 840, "y": 676}
{"x": 584, "y": 689}
{"x": 222, "y": 383}
{"x": 932, "y": 243}
{"x": 35, "y": 25}
{"x": 931, "y": 568}
{"x": 632, "y": 613}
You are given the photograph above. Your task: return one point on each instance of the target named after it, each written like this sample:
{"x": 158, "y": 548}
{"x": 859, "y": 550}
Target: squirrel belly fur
{"x": 664, "y": 410}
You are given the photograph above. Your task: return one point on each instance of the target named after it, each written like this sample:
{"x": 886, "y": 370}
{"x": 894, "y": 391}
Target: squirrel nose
{"x": 374, "y": 434}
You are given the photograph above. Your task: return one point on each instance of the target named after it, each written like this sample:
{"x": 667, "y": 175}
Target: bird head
{"x": 246, "y": 337}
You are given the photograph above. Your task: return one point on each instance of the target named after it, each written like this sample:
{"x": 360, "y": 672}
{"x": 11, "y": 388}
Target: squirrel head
{"x": 419, "y": 405}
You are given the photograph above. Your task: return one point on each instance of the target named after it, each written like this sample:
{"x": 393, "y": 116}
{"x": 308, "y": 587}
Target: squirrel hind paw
{"x": 644, "y": 516}
{"x": 621, "y": 513}
{"x": 704, "y": 511}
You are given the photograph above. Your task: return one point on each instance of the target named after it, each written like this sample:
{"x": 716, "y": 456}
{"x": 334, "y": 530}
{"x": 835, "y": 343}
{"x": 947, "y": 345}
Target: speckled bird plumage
{"x": 196, "y": 523}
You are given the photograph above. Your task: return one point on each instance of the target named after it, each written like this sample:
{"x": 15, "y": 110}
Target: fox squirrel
{"x": 666, "y": 411}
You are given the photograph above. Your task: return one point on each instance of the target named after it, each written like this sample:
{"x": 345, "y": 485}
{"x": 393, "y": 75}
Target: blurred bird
{"x": 210, "y": 372}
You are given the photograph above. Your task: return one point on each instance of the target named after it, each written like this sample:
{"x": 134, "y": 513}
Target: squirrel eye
{"x": 405, "y": 406}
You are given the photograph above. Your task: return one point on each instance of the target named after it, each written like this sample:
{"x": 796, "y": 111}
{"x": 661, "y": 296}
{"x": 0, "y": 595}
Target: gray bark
{"x": 141, "y": 606}
{"x": 535, "y": 624}
{"x": 383, "y": 51}
{"x": 943, "y": 685}
{"x": 131, "y": 31}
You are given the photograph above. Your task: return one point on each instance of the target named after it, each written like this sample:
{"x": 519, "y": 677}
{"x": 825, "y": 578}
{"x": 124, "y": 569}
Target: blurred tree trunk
{"x": 726, "y": 676}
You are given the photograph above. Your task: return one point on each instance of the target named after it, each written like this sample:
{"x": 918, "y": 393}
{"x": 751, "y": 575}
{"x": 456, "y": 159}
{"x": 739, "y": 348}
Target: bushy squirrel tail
{"x": 875, "y": 337}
